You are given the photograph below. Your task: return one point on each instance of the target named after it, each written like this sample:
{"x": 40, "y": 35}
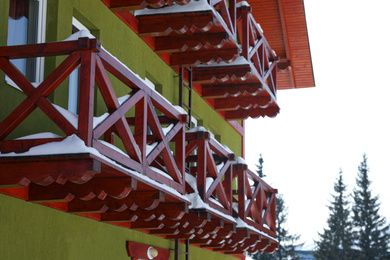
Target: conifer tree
{"x": 372, "y": 233}
{"x": 287, "y": 242}
{"x": 259, "y": 166}
{"x": 336, "y": 241}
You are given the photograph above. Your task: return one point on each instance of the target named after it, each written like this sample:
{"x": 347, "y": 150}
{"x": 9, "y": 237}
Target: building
{"x": 122, "y": 125}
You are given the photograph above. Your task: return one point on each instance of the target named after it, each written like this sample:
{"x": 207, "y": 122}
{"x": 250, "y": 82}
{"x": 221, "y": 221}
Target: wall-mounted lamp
{"x": 138, "y": 251}
{"x": 152, "y": 252}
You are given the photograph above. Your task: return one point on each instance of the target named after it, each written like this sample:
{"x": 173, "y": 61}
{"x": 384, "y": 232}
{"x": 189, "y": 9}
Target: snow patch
{"x": 44, "y": 135}
{"x": 191, "y": 7}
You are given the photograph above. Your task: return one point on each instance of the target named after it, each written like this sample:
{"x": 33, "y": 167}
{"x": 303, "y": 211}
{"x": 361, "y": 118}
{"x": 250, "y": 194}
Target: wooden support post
{"x": 140, "y": 129}
{"x": 202, "y": 168}
{"x": 86, "y": 101}
{"x": 241, "y": 175}
{"x": 180, "y": 154}
{"x": 245, "y": 34}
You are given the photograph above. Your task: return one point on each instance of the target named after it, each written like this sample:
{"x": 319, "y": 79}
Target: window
{"x": 74, "y": 77}
{"x": 27, "y": 25}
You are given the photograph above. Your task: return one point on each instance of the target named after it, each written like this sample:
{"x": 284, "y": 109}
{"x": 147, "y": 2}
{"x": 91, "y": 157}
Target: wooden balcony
{"x": 234, "y": 68}
{"x": 246, "y": 87}
{"x": 128, "y": 166}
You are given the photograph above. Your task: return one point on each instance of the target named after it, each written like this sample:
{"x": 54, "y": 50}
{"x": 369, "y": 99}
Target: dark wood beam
{"x": 234, "y": 90}
{"x": 243, "y": 102}
{"x": 241, "y": 114}
{"x": 129, "y": 5}
{"x": 194, "y": 58}
{"x": 190, "y": 42}
{"x": 212, "y": 74}
{"x": 44, "y": 169}
{"x": 180, "y": 23}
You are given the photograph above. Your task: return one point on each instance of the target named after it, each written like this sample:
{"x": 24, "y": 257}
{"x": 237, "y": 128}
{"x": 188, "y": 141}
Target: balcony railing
{"x": 145, "y": 184}
{"x": 210, "y": 36}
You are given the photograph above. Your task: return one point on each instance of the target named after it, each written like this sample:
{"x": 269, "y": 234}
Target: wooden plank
{"x": 39, "y": 50}
{"x": 47, "y": 170}
{"x": 96, "y": 205}
{"x": 160, "y": 25}
{"x": 105, "y": 86}
{"x": 23, "y": 145}
{"x": 193, "y": 42}
{"x": 180, "y": 143}
{"x": 241, "y": 114}
{"x": 194, "y": 58}
{"x": 243, "y": 102}
{"x": 117, "y": 114}
{"x": 118, "y": 188}
{"x": 86, "y": 99}
{"x": 121, "y": 72}
{"x": 117, "y": 156}
{"x": 128, "y": 140}
{"x": 201, "y": 169}
{"x": 115, "y": 216}
{"x": 140, "y": 128}
{"x": 129, "y": 5}
{"x": 215, "y": 74}
{"x": 147, "y": 225}
{"x": 15, "y": 75}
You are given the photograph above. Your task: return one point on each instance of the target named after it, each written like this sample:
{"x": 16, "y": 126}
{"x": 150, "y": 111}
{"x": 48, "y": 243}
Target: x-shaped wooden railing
{"x": 256, "y": 200}
{"x": 256, "y": 49}
{"x": 156, "y": 161}
{"x": 213, "y": 169}
{"x": 227, "y": 11}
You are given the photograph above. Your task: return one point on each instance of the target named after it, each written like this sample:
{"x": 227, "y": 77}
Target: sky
{"x": 327, "y": 128}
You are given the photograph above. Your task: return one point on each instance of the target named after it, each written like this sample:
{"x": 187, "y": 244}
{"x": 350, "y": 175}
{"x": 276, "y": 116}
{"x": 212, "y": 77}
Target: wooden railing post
{"x": 233, "y": 14}
{"x": 245, "y": 31}
{"x": 88, "y": 47}
{"x": 202, "y": 168}
{"x": 140, "y": 129}
{"x": 240, "y": 171}
{"x": 180, "y": 150}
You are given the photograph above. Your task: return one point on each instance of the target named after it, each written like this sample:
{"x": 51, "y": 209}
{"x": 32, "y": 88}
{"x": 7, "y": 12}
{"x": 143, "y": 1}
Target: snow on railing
{"x": 142, "y": 103}
{"x": 256, "y": 200}
{"x": 255, "y": 47}
{"x": 213, "y": 170}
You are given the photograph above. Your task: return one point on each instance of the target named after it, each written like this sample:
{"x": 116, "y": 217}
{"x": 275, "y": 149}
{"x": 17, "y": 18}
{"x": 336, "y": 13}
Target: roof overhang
{"x": 284, "y": 25}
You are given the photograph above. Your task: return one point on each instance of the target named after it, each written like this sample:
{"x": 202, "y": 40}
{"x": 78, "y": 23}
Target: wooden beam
{"x": 144, "y": 199}
{"x": 164, "y": 24}
{"x": 39, "y": 50}
{"x": 197, "y": 219}
{"x": 116, "y": 216}
{"x": 241, "y": 114}
{"x": 24, "y": 145}
{"x": 242, "y": 102}
{"x": 194, "y": 58}
{"x": 118, "y": 188}
{"x": 212, "y": 74}
{"x": 190, "y": 42}
{"x": 234, "y": 90}
{"x": 146, "y": 225}
{"x": 45, "y": 170}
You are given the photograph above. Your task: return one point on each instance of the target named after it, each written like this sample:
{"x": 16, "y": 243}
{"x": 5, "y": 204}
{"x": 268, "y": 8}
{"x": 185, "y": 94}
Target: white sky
{"x": 322, "y": 129}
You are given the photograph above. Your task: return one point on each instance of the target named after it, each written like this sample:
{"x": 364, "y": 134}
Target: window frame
{"x": 40, "y": 37}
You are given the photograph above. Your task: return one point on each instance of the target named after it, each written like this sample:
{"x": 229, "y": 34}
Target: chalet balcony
{"x": 134, "y": 166}
{"x": 234, "y": 67}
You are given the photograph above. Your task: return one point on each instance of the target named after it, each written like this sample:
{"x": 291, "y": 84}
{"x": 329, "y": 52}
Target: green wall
{"x": 30, "y": 231}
